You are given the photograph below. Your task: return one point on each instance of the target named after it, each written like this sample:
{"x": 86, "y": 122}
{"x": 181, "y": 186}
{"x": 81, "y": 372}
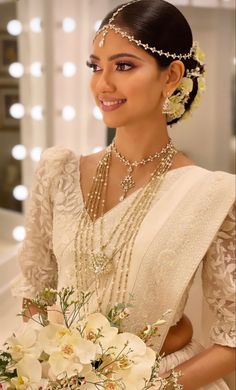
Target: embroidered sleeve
{"x": 219, "y": 274}
{"x": 37, "y": 260}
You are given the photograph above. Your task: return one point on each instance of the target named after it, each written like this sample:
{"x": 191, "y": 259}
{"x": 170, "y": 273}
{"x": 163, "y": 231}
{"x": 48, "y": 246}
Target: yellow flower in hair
{"x": 186, "y": 85}
{"x": 202, "y": 84}
{"x": 199, "y": 55}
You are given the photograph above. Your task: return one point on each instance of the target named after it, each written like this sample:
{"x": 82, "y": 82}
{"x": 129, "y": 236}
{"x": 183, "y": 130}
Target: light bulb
{"x": 69, "y": 69}
{"x": 14, "y": 27}
{"x": 18, "y": 233}
{"x": 16, "y": 69}
{"x": 97, "y": 24}
{"x": 35, "y": 153}
{"x": 97, "y": 149}
{"x": 35, "y": 25}
{"x": 20, "y": 192}
{"x": 37, "y": 113}
{"x": 18, "y": 152}
{"x": 36, "y": 69}
{"x": 97, "y": 113}
{"x": 68, "y": 25}
{"x": 68, "y": 113}
{"x": 17, "y": 110}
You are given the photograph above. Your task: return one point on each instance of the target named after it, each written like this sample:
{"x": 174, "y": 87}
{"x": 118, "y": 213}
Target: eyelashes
{"x": 121, "y": 66}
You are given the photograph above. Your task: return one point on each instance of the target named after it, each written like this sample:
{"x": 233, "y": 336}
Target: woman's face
{"x": 126, "y": 82}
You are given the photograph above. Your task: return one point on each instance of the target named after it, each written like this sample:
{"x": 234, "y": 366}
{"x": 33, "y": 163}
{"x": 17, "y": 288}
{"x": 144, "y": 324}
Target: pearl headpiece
{"x": 111, "y": 26}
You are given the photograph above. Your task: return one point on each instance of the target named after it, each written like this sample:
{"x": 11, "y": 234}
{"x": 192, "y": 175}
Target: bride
{"x": 139, "y": 217}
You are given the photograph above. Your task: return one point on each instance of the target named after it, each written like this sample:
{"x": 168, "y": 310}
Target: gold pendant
{"x": 127, "y": 183}
{"x": 100, "y": 263}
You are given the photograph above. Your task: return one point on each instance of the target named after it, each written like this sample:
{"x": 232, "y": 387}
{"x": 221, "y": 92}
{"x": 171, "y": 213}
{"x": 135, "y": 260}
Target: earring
{"x": 166, "y": 108}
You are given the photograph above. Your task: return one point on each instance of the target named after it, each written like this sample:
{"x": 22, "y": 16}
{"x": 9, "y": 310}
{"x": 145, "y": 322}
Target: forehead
{"x": 115, "y": 43}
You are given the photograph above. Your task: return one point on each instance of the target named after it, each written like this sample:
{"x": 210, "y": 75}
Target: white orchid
{"x": 97, "y": 324}
{"x": 25, "y": 343}
{"x": 29, "y": 374}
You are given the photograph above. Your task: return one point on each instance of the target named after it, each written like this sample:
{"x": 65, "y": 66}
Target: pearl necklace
{"x": 128, "y": 182}
{"x": 101, "y": 263}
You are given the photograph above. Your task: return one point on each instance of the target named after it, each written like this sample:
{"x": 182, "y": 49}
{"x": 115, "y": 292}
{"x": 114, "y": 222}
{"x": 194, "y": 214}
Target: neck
{"x": 139, "y": 141}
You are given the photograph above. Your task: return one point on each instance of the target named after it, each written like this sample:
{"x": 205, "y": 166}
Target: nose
{"x": 104, "y": 83}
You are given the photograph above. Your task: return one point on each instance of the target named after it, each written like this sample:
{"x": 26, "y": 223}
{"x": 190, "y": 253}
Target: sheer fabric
{"x": 54, "y": 207}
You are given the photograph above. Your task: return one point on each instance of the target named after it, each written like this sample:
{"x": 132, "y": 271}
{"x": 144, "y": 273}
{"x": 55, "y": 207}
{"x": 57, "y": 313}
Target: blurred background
{"x": 45, "y": 100}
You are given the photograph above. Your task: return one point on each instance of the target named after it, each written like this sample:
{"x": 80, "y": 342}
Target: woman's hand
{"x": 29, "y": 310}
{"x": 206, "y": 367}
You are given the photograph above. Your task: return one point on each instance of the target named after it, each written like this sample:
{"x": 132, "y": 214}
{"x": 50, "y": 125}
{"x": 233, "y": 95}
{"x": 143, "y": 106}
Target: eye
{"x": 94, "y": 67}
{"x": 124, "y": 66}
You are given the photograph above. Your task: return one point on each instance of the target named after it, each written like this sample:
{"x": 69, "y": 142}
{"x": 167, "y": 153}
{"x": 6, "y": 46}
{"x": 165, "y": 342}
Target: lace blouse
{"x": 56, "y": 197}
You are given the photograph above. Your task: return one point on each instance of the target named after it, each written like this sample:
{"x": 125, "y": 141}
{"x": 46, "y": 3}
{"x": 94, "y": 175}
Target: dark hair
{"x": 161, "y": 25}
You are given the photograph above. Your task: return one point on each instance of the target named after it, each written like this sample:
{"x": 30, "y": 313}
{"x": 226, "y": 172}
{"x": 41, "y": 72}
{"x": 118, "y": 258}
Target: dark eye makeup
{"x": 122, "y": 66}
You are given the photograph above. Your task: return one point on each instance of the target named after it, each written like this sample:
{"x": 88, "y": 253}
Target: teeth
{"x": 113, "y": 103}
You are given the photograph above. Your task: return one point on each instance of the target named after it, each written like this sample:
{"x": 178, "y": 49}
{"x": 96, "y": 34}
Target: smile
{"x": 111, "y": 105}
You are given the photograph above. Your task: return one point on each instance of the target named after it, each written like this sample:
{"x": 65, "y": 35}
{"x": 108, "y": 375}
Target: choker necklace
{"x": 128, "y": 182}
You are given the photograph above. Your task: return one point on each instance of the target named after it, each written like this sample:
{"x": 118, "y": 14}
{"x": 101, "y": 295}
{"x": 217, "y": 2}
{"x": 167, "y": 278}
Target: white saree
{"x": 190, "y": 221}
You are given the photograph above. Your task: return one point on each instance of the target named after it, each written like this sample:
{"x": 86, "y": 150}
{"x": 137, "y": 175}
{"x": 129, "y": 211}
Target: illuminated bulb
{"x": 68, "y": 25}
{"x": 97, "y": 149}
{"x": 35, "y": 153}
{"x": 14, "y": 27}
{"x": 97, "y": 113}
{"x": 68, "y": 113}
{"x": 16, "y": 69}
{"x": 69, "y": 69}
{"x": 35, "y": 25}
{"x": 20, "y": 192}
{"x": 18, "y": 152}
{"x": 37, "y": 113}
{"x": 234, "y": 60}
{"x": 36, "y": 69}
{"x": 97, "y": 24}
{"x": 17, "y": 110}
{"x": 18, "y": 233}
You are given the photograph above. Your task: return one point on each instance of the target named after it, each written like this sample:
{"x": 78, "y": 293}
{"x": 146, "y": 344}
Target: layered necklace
{"x": 100, "y": 262}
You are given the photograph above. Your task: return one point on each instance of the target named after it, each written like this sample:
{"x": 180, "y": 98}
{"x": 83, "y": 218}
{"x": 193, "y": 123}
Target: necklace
{"x": 128, "y": 182}
{"x": 102, "y": 265}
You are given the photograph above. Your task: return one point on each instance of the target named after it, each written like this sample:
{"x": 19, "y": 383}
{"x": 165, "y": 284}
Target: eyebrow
{"x": 115, "y": 56}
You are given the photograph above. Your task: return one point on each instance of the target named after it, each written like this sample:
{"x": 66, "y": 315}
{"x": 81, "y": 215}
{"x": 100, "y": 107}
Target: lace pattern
{"x": 219, "y": 274}
{"x": 51, "y": 221}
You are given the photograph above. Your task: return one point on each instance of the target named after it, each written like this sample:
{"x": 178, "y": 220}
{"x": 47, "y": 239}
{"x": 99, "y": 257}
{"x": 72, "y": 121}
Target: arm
{"x": 37, "y": 260}
{"x": 219, "y": 289}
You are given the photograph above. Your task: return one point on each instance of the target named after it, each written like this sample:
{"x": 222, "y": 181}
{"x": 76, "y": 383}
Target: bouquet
{"x": 62, "y": 348}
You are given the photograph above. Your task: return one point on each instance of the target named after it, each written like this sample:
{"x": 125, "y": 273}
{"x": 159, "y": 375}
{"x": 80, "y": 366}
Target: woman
{"x": 139, "y": 217}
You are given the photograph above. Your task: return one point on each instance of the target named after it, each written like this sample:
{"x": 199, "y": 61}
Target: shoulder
{"x": 55, "y": 161}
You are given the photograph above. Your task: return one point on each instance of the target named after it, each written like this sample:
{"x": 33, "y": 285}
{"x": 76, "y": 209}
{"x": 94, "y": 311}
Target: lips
{"x": 111, "y": 104}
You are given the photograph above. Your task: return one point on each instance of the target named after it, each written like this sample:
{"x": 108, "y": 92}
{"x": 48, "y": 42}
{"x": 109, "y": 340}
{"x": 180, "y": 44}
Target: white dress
{"x": 47, "y": 253}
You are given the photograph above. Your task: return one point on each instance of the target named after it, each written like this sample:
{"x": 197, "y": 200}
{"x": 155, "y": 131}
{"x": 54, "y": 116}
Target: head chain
{"x": 110, "y": 26}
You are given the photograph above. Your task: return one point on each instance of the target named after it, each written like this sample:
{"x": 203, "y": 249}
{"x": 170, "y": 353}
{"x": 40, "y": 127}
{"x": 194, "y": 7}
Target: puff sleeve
{"x": 36, "y": 258}
{"x": 219, "y": 274}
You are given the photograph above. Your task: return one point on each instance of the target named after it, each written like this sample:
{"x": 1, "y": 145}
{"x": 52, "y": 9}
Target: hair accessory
{"x": 110, "y": 26}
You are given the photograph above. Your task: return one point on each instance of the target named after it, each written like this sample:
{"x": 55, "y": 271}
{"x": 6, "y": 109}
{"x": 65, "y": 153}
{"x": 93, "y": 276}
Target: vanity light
{"x": 68, "y": 25}
{"x": 37, "y": 113}
{"x": 20, "y": 192}
{"x": 97, "y": 24}
{"x": 14, "y": 27}
{"x": 69, "y": 69}
{"x": 18, "y": 152}
{"x": 17, "y": 110}
{"x": 97, "y": 113}
{"x": 36, "y": 69}
{"x": 35, "y": 25}
{"x": 35, "y": 153}
{"x": 68, "y": 113}
{"x": 18, "y": 233}
{"x": 16, "y": 69}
